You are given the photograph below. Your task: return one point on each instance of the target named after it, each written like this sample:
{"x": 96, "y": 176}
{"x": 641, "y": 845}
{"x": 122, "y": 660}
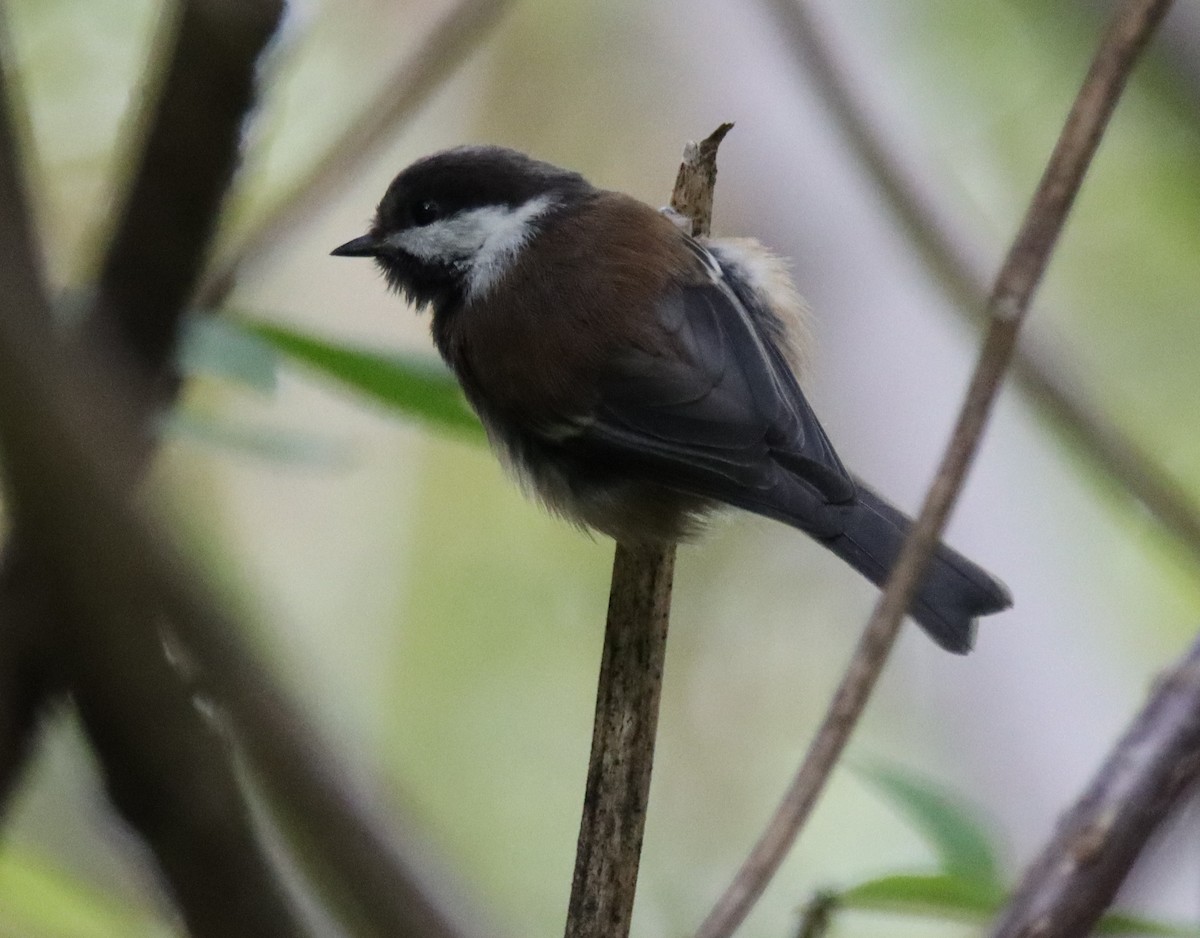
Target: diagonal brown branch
{"x": 1127, "y": 34}
{"x": 1067, "y": 888}
{"x": 401, "y": 94}
{"x": 958, "y": 263}
{"x": 187, "y": 160}
{"x": 635, "y": 645}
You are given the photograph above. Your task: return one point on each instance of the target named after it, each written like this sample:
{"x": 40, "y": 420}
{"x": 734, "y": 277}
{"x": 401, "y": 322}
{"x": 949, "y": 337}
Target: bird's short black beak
{"x": 366, "y": 246}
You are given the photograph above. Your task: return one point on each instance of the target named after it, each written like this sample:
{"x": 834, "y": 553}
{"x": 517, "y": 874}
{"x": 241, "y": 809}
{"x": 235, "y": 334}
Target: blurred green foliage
{"x": 414, "y": 387}
{"x": 966, "y": 885}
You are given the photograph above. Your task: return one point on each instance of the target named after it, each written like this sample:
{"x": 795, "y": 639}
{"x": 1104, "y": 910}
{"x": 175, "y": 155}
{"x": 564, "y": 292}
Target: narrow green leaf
{"x": 412, "y": 386}
{"x": 939, "y": 894}
{"x": 962, "y": 843}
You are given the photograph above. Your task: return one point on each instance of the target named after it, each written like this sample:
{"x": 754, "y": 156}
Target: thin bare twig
{"x": 696, "y": 181}
{"x": 1065, "y": 891}
{"x": 957, "y": 259}
{"x": 401, "y": 94}
{"x": 635, "y": 644}
{"x": 1127, "y": 34}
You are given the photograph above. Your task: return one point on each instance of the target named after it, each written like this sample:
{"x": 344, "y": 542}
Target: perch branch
{"x": 635, "y": 643}
{"x": 1065, "y": 890}
{"x": 956, "y": 258}
{"x": 618, "y": 781}
{"x": 1128, "y": 32}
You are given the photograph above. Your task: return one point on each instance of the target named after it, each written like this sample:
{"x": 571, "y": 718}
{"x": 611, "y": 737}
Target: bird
{"x": 630, "y": 376}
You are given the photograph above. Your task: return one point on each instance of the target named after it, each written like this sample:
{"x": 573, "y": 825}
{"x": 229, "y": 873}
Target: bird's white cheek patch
{"x": 505, "y": 232}
{"x": 483, "y": 242}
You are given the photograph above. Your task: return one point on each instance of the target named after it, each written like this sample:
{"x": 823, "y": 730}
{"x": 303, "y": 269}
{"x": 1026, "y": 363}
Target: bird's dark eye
{"x": 426, "y": 212}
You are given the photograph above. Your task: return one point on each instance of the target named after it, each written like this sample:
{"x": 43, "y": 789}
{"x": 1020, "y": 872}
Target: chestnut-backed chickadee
{"x": 633, "y": 377}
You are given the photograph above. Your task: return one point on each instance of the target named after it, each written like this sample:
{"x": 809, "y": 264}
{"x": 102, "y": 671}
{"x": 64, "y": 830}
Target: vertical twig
{"x": 1127, "y": 35}
{"x": 618, "y": 782}
{"x": 635, "y": 642}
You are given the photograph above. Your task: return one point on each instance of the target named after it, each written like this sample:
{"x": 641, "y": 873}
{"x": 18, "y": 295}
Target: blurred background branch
{"x": 1150, "y": 770}
{"x": 166, "y": 768}
{"x": 73, "y": 452}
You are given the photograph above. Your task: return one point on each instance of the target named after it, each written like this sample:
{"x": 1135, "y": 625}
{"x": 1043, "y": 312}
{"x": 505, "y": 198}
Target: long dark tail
{"x": 955, "y": 590}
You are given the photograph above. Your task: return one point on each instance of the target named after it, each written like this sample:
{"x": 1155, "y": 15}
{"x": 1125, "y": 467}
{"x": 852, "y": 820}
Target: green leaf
{"x": 940, "y": 894}
{"x": 403, "y": 383}
{"x": 962, "y": 843}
